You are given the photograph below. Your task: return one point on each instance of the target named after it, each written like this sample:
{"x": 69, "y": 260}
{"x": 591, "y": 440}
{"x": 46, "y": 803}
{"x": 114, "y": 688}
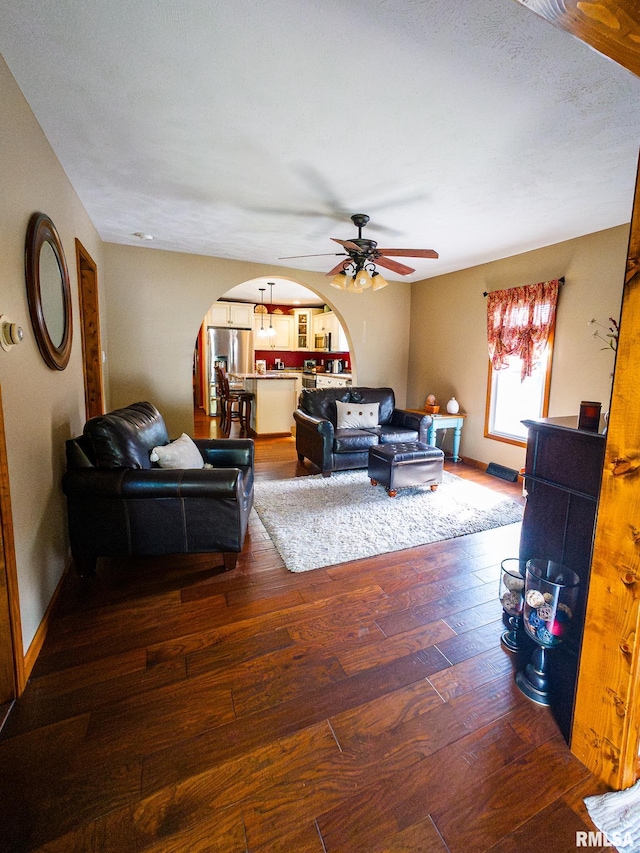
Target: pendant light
{"x": 271, "y": 332}
{"x": 262, "y": 332}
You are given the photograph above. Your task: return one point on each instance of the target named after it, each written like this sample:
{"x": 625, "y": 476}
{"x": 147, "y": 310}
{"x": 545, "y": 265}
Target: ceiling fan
{"x": 359, "y": 271}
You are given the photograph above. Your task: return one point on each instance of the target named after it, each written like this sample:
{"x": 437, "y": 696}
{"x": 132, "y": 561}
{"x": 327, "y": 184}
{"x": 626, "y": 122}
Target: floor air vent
{"x": 496, "y": 470}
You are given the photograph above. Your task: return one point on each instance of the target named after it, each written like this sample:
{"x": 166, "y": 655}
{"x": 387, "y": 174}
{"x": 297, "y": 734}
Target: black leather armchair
{"x": 332, "y": 449}
{"x": 120, "y": 503}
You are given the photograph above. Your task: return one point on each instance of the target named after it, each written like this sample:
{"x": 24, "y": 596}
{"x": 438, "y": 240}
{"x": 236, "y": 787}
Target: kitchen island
{"x": 275, "y": 400}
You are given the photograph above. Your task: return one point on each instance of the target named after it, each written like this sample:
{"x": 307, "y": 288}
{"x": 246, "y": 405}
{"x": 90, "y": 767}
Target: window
{"x": 520, "y": 330}
{"x": 512, "y": 399}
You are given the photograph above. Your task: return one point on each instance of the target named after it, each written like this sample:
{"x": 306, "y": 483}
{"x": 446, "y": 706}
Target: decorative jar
{"x": 512, "y": 581}
{"x": 453, "y": 406}
{"x": 550, "y": 599}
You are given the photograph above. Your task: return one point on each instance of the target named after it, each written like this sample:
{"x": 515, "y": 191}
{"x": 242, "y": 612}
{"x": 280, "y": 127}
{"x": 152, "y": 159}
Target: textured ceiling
{"x": 252, "y": 129}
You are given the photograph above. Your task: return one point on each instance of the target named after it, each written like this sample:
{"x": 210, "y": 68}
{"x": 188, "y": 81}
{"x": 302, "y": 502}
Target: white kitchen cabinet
{"x": 235, "y": 315}
{"x": 330, "y": 380}
{"x": 283, "y": 327}
{"x": 339, "y": 342}
{"x": 320, "y": 324}
{"x": 327, "y": 322}
{"x": 303, "y": 328}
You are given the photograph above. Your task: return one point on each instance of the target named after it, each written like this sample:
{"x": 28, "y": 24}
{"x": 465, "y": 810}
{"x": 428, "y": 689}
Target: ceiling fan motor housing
{"x": 359, "y": 219}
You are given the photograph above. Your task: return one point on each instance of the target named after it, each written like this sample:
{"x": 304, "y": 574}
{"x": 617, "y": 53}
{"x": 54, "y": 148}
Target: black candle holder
{"x": 551, "y": 591}
{"x": 512, "y": 583}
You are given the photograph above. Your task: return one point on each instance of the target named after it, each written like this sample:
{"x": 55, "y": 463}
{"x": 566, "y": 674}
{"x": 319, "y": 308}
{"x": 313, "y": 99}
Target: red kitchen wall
{"x": 296, "y": 359}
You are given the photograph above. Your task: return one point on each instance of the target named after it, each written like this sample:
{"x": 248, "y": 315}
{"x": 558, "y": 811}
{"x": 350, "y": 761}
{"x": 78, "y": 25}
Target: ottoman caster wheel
{"x": 392, "y": 492}
{"x": 374, "y": 482}
{"x": 434, "y": 487}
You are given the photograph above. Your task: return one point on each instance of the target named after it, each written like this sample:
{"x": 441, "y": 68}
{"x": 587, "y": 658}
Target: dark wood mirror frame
{"x": 41, "y": 230}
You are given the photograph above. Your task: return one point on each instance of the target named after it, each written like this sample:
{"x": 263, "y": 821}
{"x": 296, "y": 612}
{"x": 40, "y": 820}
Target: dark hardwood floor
{"x": 363, "y": 707}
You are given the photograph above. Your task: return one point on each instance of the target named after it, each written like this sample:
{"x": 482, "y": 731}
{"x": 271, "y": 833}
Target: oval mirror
{"x": 48, "y": 291}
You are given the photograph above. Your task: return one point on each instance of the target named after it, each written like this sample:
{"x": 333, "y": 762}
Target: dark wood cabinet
{"x": 562, "y": 477}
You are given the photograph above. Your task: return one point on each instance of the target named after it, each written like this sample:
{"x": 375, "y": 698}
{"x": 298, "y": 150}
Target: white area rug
{"x": 316, "y": 521}
{"x": 617, "y": 814}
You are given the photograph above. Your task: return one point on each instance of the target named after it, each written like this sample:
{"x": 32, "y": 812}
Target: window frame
{"x": 545, "y": 396}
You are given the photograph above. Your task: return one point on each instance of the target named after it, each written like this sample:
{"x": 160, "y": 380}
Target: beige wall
{"x": 156, "y": 302}
{"x": 448, "y": 354}
{"x": 42, "y": 407}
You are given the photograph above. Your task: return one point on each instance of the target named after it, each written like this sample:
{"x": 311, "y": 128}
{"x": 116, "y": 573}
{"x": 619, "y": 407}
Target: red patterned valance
{"x": 519, "y": 321}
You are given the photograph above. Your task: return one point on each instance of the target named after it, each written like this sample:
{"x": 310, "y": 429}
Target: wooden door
{"x": 90, "y": 328}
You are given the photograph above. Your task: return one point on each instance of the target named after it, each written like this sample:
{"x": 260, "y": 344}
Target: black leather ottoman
{"x": 397, "y": 466}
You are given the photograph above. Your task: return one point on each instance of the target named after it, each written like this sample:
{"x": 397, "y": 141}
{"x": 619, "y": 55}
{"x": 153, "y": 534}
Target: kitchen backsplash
{"x": 297, "y": 358}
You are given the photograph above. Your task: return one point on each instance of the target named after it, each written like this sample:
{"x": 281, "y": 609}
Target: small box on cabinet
{"x": 589, "y": 417}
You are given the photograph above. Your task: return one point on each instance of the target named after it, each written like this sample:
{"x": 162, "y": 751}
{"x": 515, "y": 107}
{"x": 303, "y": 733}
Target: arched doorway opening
{"x": 291, "y": 328}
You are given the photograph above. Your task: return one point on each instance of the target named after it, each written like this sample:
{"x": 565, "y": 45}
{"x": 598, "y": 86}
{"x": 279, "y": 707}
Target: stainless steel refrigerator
{"x": 233, "y": 350}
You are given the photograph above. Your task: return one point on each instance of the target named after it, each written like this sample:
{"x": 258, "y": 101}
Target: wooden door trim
{"x": 609, "y": 26}
{"x": 10, "y": 564}
{"x": 606, "y": 725}
{"x": 90, "y": 332}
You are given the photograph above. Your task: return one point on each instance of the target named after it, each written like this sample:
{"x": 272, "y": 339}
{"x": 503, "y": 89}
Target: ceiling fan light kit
{"x": 362, "y": 279}
{"x": 359, "y": 272}
{"x": 378, "y": 281}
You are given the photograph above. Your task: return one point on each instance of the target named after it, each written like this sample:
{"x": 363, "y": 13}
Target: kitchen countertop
{"x": 287, "y": 374}
{"x": 270, "y": 374}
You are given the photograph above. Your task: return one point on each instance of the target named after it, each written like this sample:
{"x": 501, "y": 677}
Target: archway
{"x": 283, "y": 307}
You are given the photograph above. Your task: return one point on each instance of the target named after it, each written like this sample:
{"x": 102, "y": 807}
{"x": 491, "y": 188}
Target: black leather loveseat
{"x": 121, "y": 503}
{"x": 319, "y": 439}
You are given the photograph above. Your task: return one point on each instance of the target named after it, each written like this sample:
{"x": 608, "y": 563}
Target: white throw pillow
{"x": 357, "y": 415}
{"x": 181, "y": 453}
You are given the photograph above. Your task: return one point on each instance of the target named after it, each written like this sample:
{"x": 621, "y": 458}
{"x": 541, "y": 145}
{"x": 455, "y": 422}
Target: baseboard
{"x": 35, "y": 647}
{"x": 475, "y": 464}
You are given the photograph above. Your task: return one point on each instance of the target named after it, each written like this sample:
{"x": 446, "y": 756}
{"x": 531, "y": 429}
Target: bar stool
{"x": 235, "y": 403}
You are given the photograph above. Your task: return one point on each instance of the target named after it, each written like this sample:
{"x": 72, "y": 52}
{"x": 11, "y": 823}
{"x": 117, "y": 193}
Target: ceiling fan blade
{"x": 401, "y": 269}
{"x": 320, "y": 255}
{"x": 338, "y": 268}
{"x": 353, "y": 247}
{"x": 408, "y": 253}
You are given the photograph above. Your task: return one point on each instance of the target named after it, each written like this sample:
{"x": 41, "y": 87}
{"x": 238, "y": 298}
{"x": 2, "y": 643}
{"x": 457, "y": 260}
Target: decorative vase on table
{"x": 550, "y": 596}
{"x": 431, "y": 405}
{"x": 453, "y": 407}
{"x": 512, "y": 581}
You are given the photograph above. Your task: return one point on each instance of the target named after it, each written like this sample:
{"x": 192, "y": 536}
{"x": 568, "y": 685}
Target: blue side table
{"x": 446, "y": 421}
